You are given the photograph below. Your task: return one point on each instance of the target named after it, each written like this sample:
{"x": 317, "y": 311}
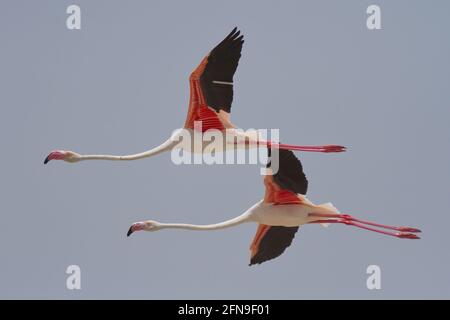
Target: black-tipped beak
{"x": 46, "y": 160}
{"x": 130, "y": 231}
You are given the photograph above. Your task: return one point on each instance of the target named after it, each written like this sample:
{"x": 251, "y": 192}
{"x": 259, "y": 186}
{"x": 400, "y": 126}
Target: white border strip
{"x": 223, "y": 82}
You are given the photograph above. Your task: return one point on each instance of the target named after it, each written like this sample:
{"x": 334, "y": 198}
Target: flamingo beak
{"x": 135, "y": 227}
{"x": 130, "y": 231}
{"x": 55, "y": 155}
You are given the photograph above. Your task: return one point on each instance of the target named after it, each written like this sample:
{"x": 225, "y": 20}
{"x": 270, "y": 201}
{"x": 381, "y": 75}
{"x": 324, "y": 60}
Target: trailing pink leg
{"x": 404, "y": 229}
{"x": 351, "y": 218}
{"x": 325, "y": 148}
{"x": 403, "y": 235}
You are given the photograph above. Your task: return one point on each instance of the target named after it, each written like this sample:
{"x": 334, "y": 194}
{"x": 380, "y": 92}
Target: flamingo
{"x": 211, "y": 95}
{"x": 281, "y": 212}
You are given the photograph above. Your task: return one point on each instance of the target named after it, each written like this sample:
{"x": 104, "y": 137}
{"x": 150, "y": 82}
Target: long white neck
{"x": 167, "y": 145}
{"x": 245, "y": 217}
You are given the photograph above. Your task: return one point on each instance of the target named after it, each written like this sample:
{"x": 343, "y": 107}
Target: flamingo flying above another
{"x": 281, "y": 212}
{"x": 211, "y": 95}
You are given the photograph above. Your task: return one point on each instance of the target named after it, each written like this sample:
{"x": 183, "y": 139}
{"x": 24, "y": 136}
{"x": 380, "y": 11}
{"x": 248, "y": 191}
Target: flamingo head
{"x": 68, "y": 156}
{"x": 149, "y": 225}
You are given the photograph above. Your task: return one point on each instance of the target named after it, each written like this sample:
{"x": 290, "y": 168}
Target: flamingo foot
{"x": 407, "y": 235}
{"x": 334, "y": 148}
{"x": 409, "y": 229}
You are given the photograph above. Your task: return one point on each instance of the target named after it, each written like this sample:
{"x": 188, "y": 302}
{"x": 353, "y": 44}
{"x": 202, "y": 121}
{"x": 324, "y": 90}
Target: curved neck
{"x": 245, "y": 217}
{"x": 167, "y": 145}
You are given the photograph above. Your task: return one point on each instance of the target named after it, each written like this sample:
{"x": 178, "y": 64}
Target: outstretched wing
{"x": 281, "y": 188}
{"x": 211, "y": 84}
{"x": 217, "y": 79}
{"x": 272, "y": 242}
{"x": 288, "y": 181}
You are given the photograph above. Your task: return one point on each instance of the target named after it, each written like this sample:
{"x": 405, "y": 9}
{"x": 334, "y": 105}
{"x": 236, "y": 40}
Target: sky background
{"x": 310, "y": 68}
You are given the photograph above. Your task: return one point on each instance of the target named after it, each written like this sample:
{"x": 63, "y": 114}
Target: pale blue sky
{"x": 310, "y": 68}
